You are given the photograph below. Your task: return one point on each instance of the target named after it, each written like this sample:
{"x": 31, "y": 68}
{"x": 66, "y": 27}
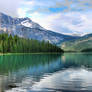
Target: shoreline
{"x": 31, "y": 53}
{"x": 1, "y": 54}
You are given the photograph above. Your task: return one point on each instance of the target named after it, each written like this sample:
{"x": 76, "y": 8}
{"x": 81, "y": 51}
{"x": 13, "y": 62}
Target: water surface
{"x": 69, "y": 72}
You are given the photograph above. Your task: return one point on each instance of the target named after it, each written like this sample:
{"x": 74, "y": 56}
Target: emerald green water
{"x": 69, "y": 72}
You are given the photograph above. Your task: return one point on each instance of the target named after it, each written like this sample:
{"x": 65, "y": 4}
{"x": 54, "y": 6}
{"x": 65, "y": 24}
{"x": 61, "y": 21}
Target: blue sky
{"x": 63, "y": 16}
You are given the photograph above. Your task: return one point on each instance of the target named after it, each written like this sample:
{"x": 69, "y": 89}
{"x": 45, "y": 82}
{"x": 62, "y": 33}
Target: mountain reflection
{"x": 28, "y": 69}
{"x": 77, "y": 60}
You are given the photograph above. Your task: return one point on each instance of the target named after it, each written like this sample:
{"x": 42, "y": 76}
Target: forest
{"x": 15, "y": 44}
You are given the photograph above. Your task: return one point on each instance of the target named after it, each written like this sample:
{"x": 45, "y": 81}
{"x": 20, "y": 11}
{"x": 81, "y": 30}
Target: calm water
{"x": 46, "y": 73}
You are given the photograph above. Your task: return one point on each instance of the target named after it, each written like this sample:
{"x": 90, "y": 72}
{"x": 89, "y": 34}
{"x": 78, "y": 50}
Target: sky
{"x": 63, "y": 16}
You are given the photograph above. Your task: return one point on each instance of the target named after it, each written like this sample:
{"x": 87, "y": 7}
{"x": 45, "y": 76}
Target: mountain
{"x": 26, "y": 28}
{"x": 82, "y": 44}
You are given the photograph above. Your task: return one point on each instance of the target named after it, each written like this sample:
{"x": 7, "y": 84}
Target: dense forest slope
{"x": 83, "y": 44}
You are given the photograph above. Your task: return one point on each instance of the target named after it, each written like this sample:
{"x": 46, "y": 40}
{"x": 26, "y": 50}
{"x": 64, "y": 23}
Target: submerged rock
{"x": 12, "y": 86}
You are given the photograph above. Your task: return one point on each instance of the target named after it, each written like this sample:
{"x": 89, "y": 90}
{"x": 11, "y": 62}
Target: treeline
{"x": 87, "y": 50}
{"x": 14, "y": 44}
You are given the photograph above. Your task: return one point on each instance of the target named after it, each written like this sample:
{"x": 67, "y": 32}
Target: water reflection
{"x": 46, "y": 72}
{"x": 78, "y": 60}
{"x": 66, "y": 81}
{"x": 17, "y": 68}
{"x": 13, "y": 63}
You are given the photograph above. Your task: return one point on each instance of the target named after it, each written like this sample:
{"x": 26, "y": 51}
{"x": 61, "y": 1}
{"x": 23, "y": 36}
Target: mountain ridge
{"x": 82, "y": 44}
{"x": 26, "y": 28}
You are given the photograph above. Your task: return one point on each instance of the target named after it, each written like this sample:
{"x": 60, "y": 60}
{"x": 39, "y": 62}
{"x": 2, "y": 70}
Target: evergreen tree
{"x": 14, "y": 44}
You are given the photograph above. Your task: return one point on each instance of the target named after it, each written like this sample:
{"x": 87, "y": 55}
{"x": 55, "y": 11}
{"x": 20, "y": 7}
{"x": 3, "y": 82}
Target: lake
{"x": 68, "y": 72}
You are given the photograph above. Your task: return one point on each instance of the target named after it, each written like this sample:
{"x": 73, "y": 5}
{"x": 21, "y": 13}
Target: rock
{"x": 12, "y": 86}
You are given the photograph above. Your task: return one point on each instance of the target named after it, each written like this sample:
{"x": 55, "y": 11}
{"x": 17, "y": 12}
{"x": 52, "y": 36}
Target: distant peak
{"x": 5, "y": 15}
{"x": 2, "y": 14}
{"x": 25, "y": 18}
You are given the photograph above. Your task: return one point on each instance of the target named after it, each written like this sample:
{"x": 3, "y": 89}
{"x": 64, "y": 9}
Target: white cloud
{"x": 10, "y": 7}
{"x": 21, "y": 12}
{"x": 71, "y": 22}
{"x": 68, "y": 22}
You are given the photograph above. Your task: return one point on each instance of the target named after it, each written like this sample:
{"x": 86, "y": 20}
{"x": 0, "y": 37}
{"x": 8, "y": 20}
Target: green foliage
{"x": 84, "y": 44}
{"x": 87, "y": 50}
{"x": 14, "y": 44}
